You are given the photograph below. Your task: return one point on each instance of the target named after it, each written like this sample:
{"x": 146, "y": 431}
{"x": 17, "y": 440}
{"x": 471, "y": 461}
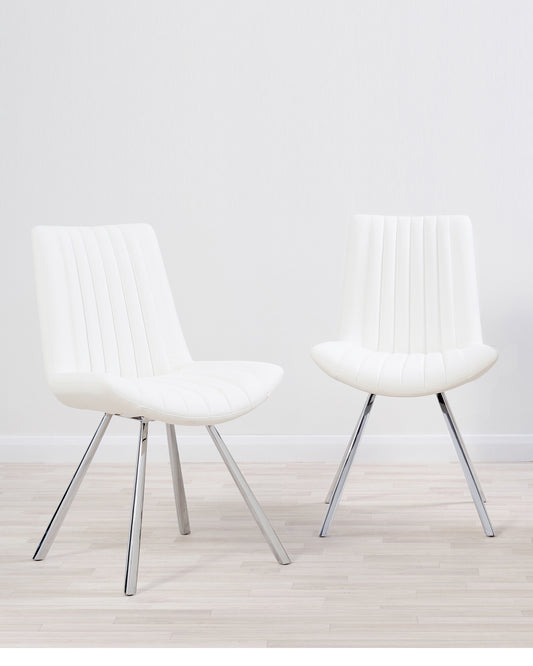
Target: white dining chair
{"x": 112, "y": 342}
{"x": 410, "y": 325}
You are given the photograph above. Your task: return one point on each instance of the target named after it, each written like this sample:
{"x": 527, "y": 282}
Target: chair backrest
{"x": 105, "y": 303}
{"x": 410, "y": 284}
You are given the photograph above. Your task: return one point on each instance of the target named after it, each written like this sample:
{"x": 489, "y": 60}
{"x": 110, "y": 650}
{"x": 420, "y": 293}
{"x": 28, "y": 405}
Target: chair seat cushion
{"x": 198, "y": 393}
{"x": 402, "y": 374}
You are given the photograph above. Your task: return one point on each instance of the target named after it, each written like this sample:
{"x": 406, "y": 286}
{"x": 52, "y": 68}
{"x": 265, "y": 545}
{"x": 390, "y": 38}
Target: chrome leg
{"x": 466, "y": 464}
{"x": 70, "y": 493}
{"x": 256, "y": 510}
{"x": 463, "y": 447}
{"x": 344, "y": 458}
{"x": 472, "y": 468}
{"x": 339, "y": 470}
{"x": 134, "y": 543}
{"x": 342, "y": 472}
{"x": 177, "y": 479}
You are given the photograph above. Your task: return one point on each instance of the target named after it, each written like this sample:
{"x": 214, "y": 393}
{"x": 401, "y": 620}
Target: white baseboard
{"x": 271, "y": 448}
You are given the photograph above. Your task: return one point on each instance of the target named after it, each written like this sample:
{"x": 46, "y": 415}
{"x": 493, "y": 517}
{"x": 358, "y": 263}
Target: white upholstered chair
{"x": 112, "y": 342}
{"x": 410, "y": 324}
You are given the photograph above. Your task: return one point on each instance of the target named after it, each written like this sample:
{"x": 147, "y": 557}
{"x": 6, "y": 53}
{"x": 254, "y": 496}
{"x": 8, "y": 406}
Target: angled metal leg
{"x": 466, "y": 464}
{"x": 450, "y": 418}
{"x": 177, "y": 479}
{"x": 70, "y": 493}
{"x": 134, "y": 543}
{"x": 256, "y": 510}
{"x": 342, "y": 472}
{"x": 344, "y": 458}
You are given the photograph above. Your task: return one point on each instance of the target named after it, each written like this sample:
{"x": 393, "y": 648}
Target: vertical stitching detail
{"x": 163, "y": 349}
{"x": 83, "y": 300}
{"x": 74, "y": 341}
{"x": 113, "y": 315}
{"x": 121, "y": 282}
{"x": 452, "y": 285}
{"x": 380, "y": 303}
{"x": 84, "y": 246}
{"x": 138, "y": 298}
{"x": 439, "y": 299}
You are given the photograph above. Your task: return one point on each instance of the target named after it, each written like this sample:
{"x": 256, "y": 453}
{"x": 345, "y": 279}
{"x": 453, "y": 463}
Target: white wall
{"x": 248, "y": 133}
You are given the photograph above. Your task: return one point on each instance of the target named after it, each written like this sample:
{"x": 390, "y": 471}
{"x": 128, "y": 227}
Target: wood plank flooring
{"x": 406, "y": 563}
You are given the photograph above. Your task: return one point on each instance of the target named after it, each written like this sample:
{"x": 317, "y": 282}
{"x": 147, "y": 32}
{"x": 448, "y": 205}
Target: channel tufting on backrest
{"x": 105, "y": 303}
{"x": 410, "y": 284}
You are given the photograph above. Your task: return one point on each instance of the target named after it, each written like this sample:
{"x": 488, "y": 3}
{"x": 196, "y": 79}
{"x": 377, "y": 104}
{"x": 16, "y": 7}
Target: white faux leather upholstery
{"x": 112, "y": 340}
{"x": 410, "y": 319}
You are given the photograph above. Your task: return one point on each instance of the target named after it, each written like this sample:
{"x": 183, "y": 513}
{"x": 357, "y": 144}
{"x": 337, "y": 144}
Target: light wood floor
{"x": 406, "y": 562}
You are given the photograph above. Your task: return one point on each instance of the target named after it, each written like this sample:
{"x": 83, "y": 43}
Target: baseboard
{"x": 271, "y": 448}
